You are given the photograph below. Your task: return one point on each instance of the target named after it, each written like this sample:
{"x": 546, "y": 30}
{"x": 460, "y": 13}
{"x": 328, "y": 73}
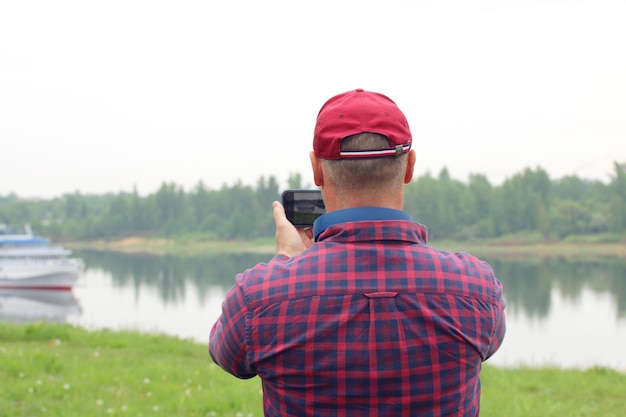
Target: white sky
{"x": 102, "y": 96}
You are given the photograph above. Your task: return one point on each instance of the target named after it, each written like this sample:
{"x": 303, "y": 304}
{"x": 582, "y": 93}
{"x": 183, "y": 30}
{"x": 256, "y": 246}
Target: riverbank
{"x": 62, "y": 370}
{"x": 582, "y": 248}
{"x": 178, "y": 247}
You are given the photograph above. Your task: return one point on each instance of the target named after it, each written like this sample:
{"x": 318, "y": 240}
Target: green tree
{"x": 480, "y": 207}
{"x": 617, "y": 202}
{"x": 294, "y": 181}
{"x": 568, "y": 217}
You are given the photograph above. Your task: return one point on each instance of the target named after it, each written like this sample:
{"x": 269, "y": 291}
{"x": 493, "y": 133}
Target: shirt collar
{"x": 357, "y": 214}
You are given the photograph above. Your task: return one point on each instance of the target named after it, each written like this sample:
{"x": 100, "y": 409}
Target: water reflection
{"x": 171, "y": 275}
{"x": 32, "y": 305}
{"x": 529, "y": 283}
{"x": 560, "y": 312}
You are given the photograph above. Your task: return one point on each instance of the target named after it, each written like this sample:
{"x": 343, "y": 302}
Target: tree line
{"x": 528, "y": 202}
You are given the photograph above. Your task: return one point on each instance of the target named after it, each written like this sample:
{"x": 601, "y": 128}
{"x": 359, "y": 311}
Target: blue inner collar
{"x": 357, "y": 214}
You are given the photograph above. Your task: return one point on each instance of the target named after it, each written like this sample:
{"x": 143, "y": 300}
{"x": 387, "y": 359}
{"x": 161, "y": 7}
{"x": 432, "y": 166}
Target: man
{"x": 365, "y": 319}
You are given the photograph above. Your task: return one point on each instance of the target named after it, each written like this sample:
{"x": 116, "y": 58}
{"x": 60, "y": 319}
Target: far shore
{"x": 500, "y": 248}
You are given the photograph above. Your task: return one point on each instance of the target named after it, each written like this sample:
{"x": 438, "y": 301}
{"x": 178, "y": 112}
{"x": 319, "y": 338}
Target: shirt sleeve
{"x": 499, "y": 320}
{"x": 227, "y": 341}
{"x": 228, "y": 345}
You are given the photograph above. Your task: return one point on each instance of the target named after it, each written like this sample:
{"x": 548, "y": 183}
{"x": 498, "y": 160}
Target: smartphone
{"x": 302, "y": 207}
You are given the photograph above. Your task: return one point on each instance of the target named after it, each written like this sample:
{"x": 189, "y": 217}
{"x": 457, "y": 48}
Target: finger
{"x": 284, "y": 228}
{"x": 306, "y": 235}
{"x": 279, "y": 213}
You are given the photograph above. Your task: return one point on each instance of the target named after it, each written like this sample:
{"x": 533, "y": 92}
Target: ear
{"x": 316, "y": 165}
{"x": 410, "y": 165}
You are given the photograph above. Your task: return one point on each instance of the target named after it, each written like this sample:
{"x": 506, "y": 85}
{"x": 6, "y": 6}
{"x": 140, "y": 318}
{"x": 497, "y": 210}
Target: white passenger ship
{"x": 31, "y": 262}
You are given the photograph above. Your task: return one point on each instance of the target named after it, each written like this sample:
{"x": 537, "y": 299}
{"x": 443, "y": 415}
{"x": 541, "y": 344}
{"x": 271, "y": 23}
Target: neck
{"x": 337, "y": 200}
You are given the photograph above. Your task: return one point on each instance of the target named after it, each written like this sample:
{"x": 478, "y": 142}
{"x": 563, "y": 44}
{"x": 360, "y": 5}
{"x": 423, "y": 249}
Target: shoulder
{"x": 266, "y": 283}
{"x": 461, "y": 273}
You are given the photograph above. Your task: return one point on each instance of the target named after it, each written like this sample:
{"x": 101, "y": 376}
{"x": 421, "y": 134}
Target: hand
{"x": 290, "y": 241}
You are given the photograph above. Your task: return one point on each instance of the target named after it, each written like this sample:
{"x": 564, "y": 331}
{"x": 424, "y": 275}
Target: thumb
{"x": 279, "y": 214}
{"x": 288, "y": 239}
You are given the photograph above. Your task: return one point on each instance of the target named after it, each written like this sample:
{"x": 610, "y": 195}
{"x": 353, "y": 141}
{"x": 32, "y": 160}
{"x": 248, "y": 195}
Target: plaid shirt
{"x": 369, "y": 321}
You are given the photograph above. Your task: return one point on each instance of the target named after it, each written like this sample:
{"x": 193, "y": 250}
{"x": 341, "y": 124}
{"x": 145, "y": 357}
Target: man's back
{"x": 369, "y": 321}
{"x": 361, "y": 317}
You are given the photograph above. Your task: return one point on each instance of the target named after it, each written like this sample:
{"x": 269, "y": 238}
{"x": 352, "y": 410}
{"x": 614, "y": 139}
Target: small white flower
{"x": 66, "y": 386}
{"x": 99, "y": 403}
{"x": 124, "y": 407}
{"x": 31, "y": 390}
{"x": 155, "y": 408}
{"x": 110, "y": 410}
{"x": 21, "y": 374}
{"x": 146, "y": 380}
{"x": 38, "y": 382}
{"x": 148, "y": 394}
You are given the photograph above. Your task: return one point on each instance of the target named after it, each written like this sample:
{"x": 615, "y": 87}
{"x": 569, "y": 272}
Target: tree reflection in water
{"x": 527, "y": 282}
{"x": 170, "y": 274}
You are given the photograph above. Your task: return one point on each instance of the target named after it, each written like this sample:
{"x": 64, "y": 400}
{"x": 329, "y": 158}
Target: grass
{"x": 62, "y": 370}
{"x": 531, "y": 392}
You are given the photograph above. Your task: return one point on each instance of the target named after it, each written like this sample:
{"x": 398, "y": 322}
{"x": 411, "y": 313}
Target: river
{"x": 570, "y": 314}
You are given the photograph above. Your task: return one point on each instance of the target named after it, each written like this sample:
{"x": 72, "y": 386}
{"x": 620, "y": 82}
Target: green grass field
{"x": 62, "y": 370}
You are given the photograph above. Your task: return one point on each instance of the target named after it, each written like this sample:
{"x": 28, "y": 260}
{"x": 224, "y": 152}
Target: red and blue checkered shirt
{"x": 369, "y": 321}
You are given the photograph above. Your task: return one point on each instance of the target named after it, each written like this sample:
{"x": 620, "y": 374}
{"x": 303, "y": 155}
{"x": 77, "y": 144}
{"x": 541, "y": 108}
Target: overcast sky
{"x": 104, "y": 96}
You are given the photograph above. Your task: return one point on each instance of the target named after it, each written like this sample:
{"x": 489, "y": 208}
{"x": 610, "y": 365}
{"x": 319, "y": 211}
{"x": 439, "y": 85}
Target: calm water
{"x": 569, "y": 314}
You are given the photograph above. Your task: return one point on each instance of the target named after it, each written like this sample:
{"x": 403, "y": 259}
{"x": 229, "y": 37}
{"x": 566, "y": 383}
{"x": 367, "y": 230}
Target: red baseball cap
{"x": 360, "y": 111}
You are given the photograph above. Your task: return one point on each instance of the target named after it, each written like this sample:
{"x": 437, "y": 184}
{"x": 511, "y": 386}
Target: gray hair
{"x": 365, "y": 174}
